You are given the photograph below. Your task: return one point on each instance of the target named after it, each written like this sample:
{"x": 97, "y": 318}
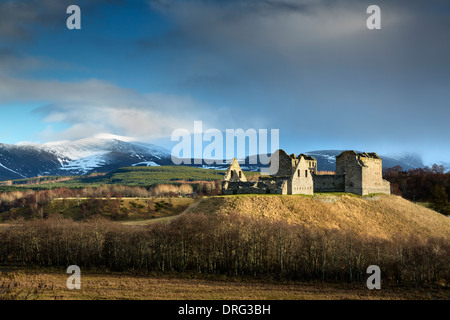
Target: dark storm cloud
{"x": 21, "y": 19}
{"x": 243, "y": 6}
{"x": 290, "y": 27}
{"x": 317, "y": 60}
{"x": 11, "y": 62}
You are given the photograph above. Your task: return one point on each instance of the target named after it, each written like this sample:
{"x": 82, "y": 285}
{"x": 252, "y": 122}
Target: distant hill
{"x": 326, "y": 160}
{"x": 383, "y": 216}
{"x": 105, "y": 154}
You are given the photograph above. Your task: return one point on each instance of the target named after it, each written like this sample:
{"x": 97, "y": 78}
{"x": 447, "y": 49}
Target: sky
{"x": 309, "y": 68}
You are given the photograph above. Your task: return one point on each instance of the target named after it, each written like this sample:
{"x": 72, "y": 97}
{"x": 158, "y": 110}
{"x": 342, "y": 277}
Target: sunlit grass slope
{"x": 383, "y": 216}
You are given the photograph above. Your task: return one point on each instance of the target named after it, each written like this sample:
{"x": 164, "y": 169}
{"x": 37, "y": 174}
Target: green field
{"x": 129, "y": 176}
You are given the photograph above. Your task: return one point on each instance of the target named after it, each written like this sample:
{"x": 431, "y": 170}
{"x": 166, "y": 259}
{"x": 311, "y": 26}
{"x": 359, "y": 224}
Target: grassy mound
{"x": 382, "y": 216}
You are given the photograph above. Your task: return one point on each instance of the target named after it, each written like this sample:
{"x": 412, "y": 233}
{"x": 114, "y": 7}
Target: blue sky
{"x": 308, "y": 68}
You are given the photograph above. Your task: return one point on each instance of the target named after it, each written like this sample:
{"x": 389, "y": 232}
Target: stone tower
{"x": 362, "y": 173}
{"x": 297, "y": 171}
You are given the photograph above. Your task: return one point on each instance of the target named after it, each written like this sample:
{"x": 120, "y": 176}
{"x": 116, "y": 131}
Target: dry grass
{"x": 180, "y": 205}
{"x": 383, "y": 216}
{"x": 147, "y": 222}
{"x": 122, "y": 286}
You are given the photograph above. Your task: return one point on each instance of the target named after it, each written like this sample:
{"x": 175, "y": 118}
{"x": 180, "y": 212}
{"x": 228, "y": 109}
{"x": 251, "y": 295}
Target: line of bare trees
{"x": 417, "y": 184}
{"x": 103, "y": 191}
{"x": 425, "y": 185}
{"x": 34, "y": 201}
{"x": 225, "y": 244}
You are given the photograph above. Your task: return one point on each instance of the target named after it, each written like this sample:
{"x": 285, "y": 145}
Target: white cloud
{"x": 93, "y": 106}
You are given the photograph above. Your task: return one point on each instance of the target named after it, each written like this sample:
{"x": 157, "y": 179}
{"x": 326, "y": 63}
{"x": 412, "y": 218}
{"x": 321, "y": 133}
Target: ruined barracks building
{"x": 359, "y": 173}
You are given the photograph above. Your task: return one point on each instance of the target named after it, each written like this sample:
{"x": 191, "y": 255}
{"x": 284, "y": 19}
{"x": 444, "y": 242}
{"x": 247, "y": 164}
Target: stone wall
{"x": 349, "y": 165}
{"x": 301, "y": 180}
{"x": 371, "y": 175}
{"x": 358, "y": 173}
{"x": 363, "y": 173}
{"x": 285, "y": 164}
{"x": 234, "y": 172}
{"x": 329, "y": 183}
{"x": 268, "y": 186}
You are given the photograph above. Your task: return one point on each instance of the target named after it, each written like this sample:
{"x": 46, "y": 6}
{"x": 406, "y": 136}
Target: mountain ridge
{"x": 79, "y": 157}
{"x": 106, "y": 153}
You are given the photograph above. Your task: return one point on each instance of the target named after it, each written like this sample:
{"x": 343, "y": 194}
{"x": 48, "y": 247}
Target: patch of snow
{"x": 155, "y": 150}
{"x": 110, "y": 136}
{"x": 329, "y": 158}
{"x": 213, "y": 167}
{"x": 248, "y": 168}
{"x": 55, "y": 143}
{"x": 404, "y": 161}
{"x": 86, "y": 164}
{"x": 27, "y": 144}
{"x": 147, "y": 163}
{"x": 1, "y": 165}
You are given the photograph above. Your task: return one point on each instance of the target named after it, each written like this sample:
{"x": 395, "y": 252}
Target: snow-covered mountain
{"x": 326, "y": 161}
{"x": 83, "y": 156}
{"x": 99, "y": 154}
{"x": 409, "y": 160}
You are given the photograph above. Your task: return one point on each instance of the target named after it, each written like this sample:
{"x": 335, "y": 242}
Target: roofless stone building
{"x": 358, "y": 173}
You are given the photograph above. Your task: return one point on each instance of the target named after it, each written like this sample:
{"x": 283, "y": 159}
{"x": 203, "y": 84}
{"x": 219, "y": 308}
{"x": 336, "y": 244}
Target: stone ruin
{"x": 358, "y": 173}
